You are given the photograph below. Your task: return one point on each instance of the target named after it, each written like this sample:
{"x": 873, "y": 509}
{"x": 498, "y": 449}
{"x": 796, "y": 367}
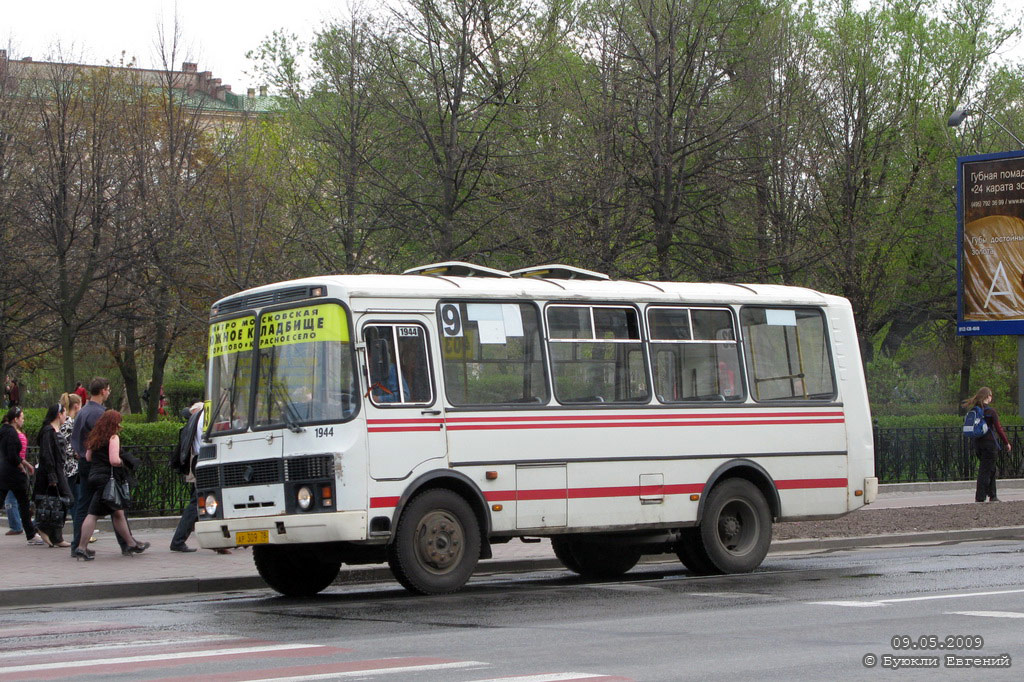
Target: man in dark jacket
{"x": 188, "y": 450}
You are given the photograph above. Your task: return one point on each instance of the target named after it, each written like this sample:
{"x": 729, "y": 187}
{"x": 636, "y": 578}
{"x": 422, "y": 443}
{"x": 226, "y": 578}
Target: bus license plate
{"x": 252, "y": 537}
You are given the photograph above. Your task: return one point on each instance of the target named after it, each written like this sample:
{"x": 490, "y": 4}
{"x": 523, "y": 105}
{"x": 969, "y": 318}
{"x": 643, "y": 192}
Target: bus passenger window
{"x": 596, "y": 354}
{"x": 695, "y": 354}
{"x": 492, "y": 354}
{"x": 787, "y": 354}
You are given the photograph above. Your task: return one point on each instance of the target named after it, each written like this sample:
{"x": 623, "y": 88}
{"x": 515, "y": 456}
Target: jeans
{"x": 987, "y": 452}
{"x": 20, "y": 493}
{"x": 187, "y": 524}
{"x": 13, "y": 512}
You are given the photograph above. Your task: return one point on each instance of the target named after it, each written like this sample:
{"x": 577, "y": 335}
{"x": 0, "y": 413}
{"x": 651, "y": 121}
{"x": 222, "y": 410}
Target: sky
{"x": 216, "y": 34}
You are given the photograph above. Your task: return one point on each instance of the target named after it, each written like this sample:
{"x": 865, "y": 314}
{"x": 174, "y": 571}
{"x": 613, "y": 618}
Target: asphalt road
{"x": 799, "y": 617}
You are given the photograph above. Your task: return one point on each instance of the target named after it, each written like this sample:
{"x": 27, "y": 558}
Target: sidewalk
{"x": 44, "y": 575}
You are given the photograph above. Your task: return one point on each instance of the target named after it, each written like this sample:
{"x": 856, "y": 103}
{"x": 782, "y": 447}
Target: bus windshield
{"x": 231, "y": 372}
{"x": 306, "y": 372}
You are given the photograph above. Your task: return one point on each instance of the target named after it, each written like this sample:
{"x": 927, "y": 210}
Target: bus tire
{"x": 563, "y": 552}
{"x": 691, "y": 552}
{"x": 437, "y": 543}
{"x": 294, "y": 571}
{"x": 736, "y": 528}
{"x": 594, "y": 559}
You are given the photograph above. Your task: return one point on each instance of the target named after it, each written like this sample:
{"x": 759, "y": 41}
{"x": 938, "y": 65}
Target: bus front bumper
{"x": 282, "y": 530}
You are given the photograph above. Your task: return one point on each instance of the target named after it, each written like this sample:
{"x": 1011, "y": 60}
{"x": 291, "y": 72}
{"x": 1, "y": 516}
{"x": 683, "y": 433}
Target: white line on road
{"x": 136, "y": 644}
{"x": 178, "y": 655}
{"x": 987, "y": 614}
{"x": 377, "y": 671}
{"x": 546, "y": 677}
{"x": 883, "y": 602}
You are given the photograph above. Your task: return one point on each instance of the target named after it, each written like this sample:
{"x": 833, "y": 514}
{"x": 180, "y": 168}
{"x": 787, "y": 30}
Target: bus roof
{"x": 434, "y": 286}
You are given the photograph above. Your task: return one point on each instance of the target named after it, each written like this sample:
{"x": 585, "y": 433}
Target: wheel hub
{"x": 439, "y": 543}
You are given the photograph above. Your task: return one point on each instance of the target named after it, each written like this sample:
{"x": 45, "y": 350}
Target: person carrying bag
{"x": 107, "y": 468}
{"x": 987, "y": 444}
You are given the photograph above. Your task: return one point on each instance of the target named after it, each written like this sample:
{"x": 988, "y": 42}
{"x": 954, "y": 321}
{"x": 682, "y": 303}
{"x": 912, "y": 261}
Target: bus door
{"x": 404, "y": 418}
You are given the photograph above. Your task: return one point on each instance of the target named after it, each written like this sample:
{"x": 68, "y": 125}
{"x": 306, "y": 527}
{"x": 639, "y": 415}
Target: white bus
{"x": 420, "y": 419}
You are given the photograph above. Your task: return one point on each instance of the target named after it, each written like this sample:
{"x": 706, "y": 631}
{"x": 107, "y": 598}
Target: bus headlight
{"x": 304, "y": 497}
{"x": 211, "y": 505}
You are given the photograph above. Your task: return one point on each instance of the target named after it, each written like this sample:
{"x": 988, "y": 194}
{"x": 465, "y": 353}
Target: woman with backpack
{"x": 987, "y": 446}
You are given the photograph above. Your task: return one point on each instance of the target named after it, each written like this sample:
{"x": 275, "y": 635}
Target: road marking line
{"x": 372, "y": 671}
{"x": 176, "y": 656}
{"x": 987, "y": 614}
{"x": 552, "y": 677}
{"x": 883, "y": 602}
{"x": 136, "y": 644}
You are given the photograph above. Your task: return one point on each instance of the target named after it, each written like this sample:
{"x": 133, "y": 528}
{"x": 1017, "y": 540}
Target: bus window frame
{"x": 542, "y": 343}
{"x": 737, "y": 340}
{"x": 643, "y": 341}
{"x": 234, "y": 315}
{"x": 364, "y": 372}
{"x": 304, "y": 303}
{"x": 827, "y": 333}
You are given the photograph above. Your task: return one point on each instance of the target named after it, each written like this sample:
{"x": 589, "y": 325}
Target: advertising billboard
{"x": 990, "y": 244}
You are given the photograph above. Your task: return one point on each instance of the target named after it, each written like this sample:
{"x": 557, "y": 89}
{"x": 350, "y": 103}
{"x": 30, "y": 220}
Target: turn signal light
{"x": 694, "y": 497}
{"x": 325, "y": 496}
{"x": 497, "y": 507}
{"x": 858, "y": 493}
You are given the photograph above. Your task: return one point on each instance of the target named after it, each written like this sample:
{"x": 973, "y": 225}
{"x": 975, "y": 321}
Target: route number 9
{"x": 451, "y": 319}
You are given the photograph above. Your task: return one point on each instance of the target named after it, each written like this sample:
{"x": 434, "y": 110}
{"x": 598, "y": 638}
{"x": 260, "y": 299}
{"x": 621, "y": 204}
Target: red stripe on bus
{"x": 701, "y": 415}
{"x": 805, "y": 483}
{"x": 404, "y": 421}
{"x": 403, "y": 429}
{"x": 622, "y": 491}
{"x": 611, "y": 425}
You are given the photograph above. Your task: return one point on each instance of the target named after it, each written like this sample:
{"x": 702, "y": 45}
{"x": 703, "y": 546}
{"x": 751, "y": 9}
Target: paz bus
{"x": 420, "y": 419}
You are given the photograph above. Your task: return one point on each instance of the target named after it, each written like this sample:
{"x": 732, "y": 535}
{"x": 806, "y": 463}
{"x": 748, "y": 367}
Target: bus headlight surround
{"x": 210, "y": 505}
{"x": 304, "y": 497}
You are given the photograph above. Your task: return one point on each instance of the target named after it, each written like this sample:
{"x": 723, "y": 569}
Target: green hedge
{"x": 935, "y": 420}
{"x": 161, "y": 432}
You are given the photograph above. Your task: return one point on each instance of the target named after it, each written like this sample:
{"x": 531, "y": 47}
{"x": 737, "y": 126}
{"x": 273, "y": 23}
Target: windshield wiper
{"x": 214, "y": 414}
{"x": 291, "y": 414}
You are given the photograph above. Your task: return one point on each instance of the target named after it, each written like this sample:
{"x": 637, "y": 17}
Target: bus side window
{"x": 695, "y": 354}
{"x": 787, "y": 354}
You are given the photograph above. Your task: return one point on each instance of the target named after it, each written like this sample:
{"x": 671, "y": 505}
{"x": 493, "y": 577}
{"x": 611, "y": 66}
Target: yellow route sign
{"x": 326, "y": 322}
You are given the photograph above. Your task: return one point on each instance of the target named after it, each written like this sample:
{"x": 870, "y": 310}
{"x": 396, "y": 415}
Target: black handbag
{"x": 50, "y": 510}
{"x": 116, "y": 494}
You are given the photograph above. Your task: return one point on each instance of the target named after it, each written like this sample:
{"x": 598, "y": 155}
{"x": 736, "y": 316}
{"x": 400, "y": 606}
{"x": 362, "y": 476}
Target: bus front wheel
{"x": 294, "y": 571}
{"x": 736, "y": 528}
{"x": 437, "y": 543}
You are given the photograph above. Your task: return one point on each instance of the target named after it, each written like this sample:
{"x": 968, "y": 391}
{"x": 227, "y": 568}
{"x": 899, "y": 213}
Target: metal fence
{"x": 159, "y": 491}
{"x": 917, "y": 455}
{"x": 904, "y": 455}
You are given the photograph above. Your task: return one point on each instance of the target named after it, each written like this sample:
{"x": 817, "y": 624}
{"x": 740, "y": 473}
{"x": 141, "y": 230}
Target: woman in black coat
{"x": 51, "y": 480}
{"x": 14, "y": 472}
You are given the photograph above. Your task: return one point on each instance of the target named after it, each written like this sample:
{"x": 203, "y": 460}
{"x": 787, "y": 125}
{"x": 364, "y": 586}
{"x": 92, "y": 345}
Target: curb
{"x": 64, "y": 594}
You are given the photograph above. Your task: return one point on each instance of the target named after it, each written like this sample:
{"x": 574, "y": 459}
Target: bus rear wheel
{"x": 563, "y": 552}
{"x": 436, "y": 545}
{"x": 736, "y": 528}
{"x": 294, "y": 571}
{"x": 690, "y": 550}
{"x": 595, "y": 559}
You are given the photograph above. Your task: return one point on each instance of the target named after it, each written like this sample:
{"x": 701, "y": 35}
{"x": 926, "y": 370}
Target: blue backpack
{"x": 975, "y": 425}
